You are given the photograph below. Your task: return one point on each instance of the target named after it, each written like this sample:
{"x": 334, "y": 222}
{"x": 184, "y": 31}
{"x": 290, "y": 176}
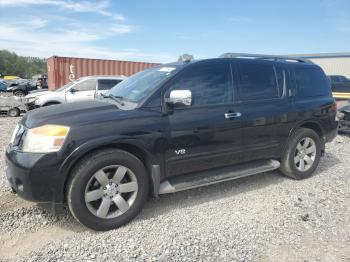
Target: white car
{"x": 85, "y": 88}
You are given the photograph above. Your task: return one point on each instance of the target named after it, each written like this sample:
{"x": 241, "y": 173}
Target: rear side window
{"x": 106, "y": 84}
{"x": 311, "y": 82}
{"x": 210, "y": 84}
{"x": 259, "y": 81}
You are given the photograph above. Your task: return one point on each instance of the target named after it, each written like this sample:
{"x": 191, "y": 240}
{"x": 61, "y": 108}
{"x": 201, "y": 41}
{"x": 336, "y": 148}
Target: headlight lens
{"x": 45, "y": 139}
{"x": 32, "y": 99}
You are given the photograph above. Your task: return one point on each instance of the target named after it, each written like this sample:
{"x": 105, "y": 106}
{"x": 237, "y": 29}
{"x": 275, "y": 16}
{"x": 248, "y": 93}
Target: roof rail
{"x": 267, "y": 57}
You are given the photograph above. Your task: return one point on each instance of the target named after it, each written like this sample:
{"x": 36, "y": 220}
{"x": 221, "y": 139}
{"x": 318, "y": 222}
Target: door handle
{"x": 232, "y": 115}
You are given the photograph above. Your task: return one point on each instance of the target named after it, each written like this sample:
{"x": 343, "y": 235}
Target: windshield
{"x": 62, "y": 88}
{"x": 140, "y": 85}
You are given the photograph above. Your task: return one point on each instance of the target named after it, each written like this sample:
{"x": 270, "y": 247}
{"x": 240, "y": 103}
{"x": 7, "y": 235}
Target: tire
{"x": 19, "y": 93}
{"x": 289, "y": 162}
{"x": 14, "y": 112}
{"x": 84, "y": 180}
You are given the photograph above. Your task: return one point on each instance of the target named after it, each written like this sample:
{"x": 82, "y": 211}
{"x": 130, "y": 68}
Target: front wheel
{"x": 302, "y": 154}
{"x": 107, "y": 189}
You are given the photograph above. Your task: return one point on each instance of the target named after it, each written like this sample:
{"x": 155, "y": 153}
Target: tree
{"x": 22, "y": 66}
{"x": 185, "y": 57}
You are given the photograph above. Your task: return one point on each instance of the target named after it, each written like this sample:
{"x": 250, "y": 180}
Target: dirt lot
{"x": 262, "y": 218}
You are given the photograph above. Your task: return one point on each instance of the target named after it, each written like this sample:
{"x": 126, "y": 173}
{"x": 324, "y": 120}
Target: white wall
{"x": 334, "y": 66}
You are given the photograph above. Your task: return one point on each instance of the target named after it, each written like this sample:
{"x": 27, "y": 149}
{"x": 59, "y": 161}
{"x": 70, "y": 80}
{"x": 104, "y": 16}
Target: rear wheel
{"x": 302, "y": 154}
{"x": 14, "y": 112}
{"x": 107, "y": 189}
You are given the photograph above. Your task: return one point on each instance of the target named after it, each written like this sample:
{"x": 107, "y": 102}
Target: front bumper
{"x": 33, "y": 176}
{"x": 31, "y": 106}
{"x": 344, "y": 126}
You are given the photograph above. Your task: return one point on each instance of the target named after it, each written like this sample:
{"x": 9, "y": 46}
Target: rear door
{"x": 84, "y": 90}
{"x": 264, "y": 100}
{"x": 200, "y": 136}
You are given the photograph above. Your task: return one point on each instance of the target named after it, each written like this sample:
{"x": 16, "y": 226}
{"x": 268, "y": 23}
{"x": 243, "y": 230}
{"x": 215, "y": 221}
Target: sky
{"x": 160, "y": 30}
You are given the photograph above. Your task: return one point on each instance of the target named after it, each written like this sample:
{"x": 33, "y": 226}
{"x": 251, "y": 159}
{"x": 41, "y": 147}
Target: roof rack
{"x": 267, "y": 57}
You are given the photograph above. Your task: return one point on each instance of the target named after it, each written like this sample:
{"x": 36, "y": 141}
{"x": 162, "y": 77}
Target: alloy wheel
{"x": 305, "y": 154}
{"x": 111, "y": 191}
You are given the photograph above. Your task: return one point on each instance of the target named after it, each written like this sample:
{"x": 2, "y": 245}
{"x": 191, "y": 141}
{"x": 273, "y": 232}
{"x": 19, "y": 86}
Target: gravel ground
{"x": 266, "y": 217}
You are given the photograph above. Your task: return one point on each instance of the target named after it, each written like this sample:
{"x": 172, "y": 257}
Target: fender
{"x": 299, "y": 124}
{"x": 89, "y": 146}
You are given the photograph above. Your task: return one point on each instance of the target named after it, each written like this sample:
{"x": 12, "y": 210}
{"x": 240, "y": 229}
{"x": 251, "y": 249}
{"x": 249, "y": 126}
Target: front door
{"x": 203, "y": 135}
{"x": 84, "y": 90}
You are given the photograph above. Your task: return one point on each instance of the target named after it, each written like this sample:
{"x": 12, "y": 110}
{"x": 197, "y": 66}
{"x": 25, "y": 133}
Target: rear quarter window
{"x": 311, "y": 82}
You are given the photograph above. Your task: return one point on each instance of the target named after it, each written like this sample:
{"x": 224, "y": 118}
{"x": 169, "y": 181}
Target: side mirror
{"x": 72, "y": 90}
{"x": 180, "y": 98}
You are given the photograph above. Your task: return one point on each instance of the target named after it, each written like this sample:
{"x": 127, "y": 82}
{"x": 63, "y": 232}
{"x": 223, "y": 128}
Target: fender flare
{"x": 52, "y": 101}
{"x": 299, "y": 124}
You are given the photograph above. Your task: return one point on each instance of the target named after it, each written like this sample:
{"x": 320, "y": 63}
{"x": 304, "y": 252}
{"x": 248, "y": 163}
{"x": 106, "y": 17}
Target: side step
{"x": 205, "y": 178}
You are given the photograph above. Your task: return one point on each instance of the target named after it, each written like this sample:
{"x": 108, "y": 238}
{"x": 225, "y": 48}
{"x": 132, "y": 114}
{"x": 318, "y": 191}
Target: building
{"x": 62, "y": 70}
{"x": 331, "y": 63}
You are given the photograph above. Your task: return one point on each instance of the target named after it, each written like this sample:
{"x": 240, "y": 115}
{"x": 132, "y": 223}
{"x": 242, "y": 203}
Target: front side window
{"x": 86, "y": 85}
{"x": 258, "y": 81}
{"x": 65, "y": 87}
{"x": 311, "y": 82}
{"x": 106, "y": 84}
{"x": 210, "y": 84}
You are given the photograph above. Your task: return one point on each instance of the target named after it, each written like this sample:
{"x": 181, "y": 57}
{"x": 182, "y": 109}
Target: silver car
{"x": 85, "y": 88}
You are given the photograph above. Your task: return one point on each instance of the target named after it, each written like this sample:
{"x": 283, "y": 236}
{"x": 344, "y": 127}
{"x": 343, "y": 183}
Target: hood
{"x": 39, "y": 91}
{"x": 74, "y": 114}
{"x": 36, "y": 93}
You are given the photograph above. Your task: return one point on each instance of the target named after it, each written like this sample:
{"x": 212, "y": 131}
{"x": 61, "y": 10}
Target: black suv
{"x": 170, "y": 128}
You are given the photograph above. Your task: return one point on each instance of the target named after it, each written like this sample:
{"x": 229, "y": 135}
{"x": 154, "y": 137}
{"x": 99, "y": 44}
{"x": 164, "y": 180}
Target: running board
{"x": 205, "y": 178}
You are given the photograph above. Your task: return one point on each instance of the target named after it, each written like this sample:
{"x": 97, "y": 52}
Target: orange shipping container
{"x": 61, "y": 70}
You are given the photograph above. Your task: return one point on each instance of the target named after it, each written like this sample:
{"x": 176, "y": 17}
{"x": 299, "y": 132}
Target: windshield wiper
{"x": 118, "y": 99}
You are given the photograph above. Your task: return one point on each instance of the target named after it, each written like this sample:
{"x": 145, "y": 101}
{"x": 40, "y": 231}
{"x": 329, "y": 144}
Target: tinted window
{"x": 311, "y": 82}
{"x": 334, "y": 79}
{"x": 209, "y": 84}
{"x": 344, "y": 79}
{"x": 258, "y": 81}
{"x": 341, "y": 87}
{"x": 106, "y": 84}
{"x": 86, "y": 85}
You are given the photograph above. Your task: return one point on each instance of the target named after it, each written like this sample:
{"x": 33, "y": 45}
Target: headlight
{"x": 32, "y": 99}
{"x": 9, "y": 88}
{"x": 44, "y": 139}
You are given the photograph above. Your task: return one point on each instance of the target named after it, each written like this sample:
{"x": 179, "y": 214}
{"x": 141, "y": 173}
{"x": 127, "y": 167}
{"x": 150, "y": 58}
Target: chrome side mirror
{"x": 180, "y": 97}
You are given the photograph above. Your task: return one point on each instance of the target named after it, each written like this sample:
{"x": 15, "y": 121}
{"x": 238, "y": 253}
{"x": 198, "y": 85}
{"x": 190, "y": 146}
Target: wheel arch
{"x": 53, "y": 102}
{"x": 131, "y": 147}
{"x": 313, "y": 125}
